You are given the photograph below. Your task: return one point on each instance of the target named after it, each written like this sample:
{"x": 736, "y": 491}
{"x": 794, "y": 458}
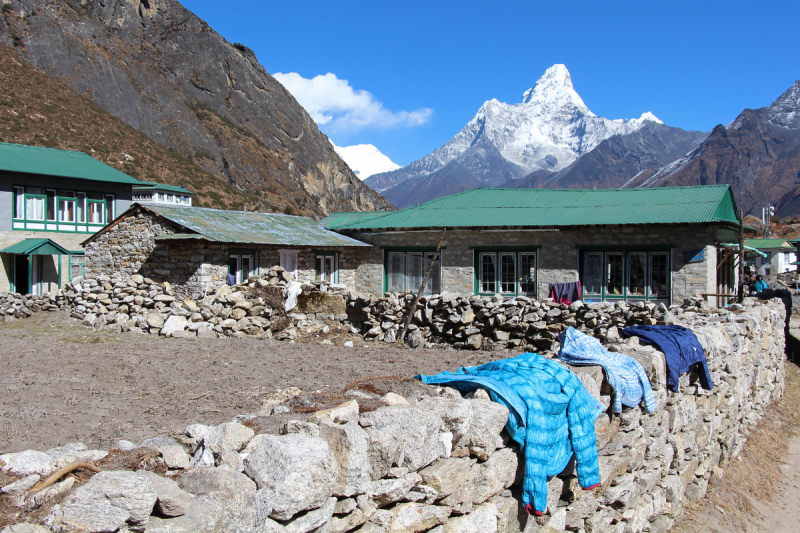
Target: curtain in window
{"x": 593, "y": 273}
{"x": 488, "y": 273}
{"x": 397, "y": 273}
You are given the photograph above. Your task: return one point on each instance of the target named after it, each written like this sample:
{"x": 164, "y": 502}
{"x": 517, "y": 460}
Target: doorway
{"x": 21, "y": 281}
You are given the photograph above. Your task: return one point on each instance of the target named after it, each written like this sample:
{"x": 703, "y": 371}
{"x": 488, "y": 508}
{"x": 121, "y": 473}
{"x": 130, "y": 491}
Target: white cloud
{"x": 334, "y": 103}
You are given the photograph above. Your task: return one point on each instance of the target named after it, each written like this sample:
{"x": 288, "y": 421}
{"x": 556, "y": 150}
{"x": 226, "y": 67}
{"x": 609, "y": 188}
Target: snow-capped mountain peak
{"x": 554, "y": 90}
{"x": 785, "y": 111}
{"x": 646, "y": 117}
{"x": 365, "y": 159}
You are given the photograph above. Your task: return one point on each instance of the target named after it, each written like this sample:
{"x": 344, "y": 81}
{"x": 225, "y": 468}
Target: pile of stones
{"x": 495, "y": 323}
{"x": 14, "y": 305}
{"x": 432, "y": 460}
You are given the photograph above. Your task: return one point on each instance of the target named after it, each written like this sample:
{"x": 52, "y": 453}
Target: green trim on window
{"x": 531, "y": 248}
{"x": 80, "y": 227}
{"x": 517, "y": 251}
{"x": 626, "y": 248}
{"x": 625, "y": 296}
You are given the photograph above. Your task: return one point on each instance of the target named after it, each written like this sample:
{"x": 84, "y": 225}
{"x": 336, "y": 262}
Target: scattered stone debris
{"x": 420, "y": 458}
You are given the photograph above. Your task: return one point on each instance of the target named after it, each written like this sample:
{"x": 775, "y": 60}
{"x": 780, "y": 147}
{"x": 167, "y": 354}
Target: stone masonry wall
{"x": 400, "y": 457}
{"x": 557, "y": 257}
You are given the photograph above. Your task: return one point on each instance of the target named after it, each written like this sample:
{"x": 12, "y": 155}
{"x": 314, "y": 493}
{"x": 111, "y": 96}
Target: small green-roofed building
{"x": 196, "y": 249}
{"x": 658, "y": 244}
{"x": 60, "y": 195}
{"x": 779, "y": 256}
{"x": 335, "y": 220}
{"x": 160, "y": 193}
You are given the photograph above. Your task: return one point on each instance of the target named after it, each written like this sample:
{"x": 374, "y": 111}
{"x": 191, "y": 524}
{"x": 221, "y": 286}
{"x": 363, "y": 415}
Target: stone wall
{"x": 399, "y": 457}
{"x": 557, "y": 257}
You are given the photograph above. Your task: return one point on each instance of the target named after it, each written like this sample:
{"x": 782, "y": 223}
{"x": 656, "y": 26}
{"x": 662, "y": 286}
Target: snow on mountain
{"x": 549, "y": 129}
{"x": 365, "y": 159}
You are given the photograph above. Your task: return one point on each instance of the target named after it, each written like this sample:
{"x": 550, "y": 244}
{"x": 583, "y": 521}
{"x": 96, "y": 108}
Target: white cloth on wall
{"x": 290, "y": 293}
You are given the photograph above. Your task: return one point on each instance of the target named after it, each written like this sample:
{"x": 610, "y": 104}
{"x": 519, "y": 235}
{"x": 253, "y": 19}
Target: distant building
{"x": 51, "y": 201}
{"x": 159, "y": 193}
{"x": 780, "y": 255}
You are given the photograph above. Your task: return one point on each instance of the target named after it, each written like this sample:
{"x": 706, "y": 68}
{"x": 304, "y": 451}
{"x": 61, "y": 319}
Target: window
{"x": 241, "y": 266}
{"x": 95, "y": 208}
{"x": 488, "y": 273}
{"x": 289, "y": 261}
{"x": 76, "y": 262}
{"x": 625, "y": 275}
{"x": 109, "y": 208}
{"x": 593, "y": 273}
{"x": 81, "y": 207}
{"x": 66, "y": 206}
{"x": 527, "y": 273}
{"x": 19, "y": 202}
{"x": 327, "y": 267}
{"x": 51, "y": 203}
{"x": 34, "y": 203}
{"x": 406, "y": 270}
{"x": 506, "y": 272}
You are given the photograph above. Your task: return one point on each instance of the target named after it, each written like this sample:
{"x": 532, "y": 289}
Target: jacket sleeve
{"x": 581, "y": 416}
{"x": 534, "y": 485}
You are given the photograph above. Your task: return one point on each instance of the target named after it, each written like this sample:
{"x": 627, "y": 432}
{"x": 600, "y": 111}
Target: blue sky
{"x": 428, "y": 66}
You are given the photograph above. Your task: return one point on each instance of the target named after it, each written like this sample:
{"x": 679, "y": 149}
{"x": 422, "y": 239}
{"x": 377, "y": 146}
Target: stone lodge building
{"x": 195, "y": 248}
{"x": 659, "y": 244}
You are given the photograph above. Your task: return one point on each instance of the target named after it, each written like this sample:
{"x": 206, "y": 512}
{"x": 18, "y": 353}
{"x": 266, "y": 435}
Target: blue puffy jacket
{"x": 551, "y": 416}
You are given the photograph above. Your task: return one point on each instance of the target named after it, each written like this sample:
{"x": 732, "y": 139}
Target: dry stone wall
{"x": 430, "y": 459}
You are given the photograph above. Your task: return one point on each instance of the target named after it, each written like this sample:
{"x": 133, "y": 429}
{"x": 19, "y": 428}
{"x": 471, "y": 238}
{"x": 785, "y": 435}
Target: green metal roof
{"x": 247, "y": 227}
{"x": 150, "y": 186}
{"x": 335, "y": 220}
{"x": 768, "y": 243}
{"x": 59, "y": 164}
{"x": 485, "y": 207}
{"x": 35, "y": 247}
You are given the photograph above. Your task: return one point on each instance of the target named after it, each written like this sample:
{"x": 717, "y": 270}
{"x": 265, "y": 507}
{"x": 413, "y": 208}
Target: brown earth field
{"x": 63, "y": 382}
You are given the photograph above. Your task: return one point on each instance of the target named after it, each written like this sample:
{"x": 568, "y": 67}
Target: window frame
{"x": 500, "y": 252}
{"x": 626, "y": 252}
{"x": 425, "y": 253}
{"x": 239, "y": 255}
{"x": 296, "y": 255}
{"x": 54, "y": 205}
{"x": 325, "y": 255}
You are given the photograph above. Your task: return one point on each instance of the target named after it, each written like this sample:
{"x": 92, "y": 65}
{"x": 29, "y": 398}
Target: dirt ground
{"x": 760, "y": 490}
{"x": 63, "y": 382}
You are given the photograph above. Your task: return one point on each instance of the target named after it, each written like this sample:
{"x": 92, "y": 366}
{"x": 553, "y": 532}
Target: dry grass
{"x": 755, "y": 475}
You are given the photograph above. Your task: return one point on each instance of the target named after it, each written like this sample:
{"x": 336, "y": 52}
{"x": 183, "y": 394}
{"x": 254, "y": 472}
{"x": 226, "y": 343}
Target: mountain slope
{"x": 758, "y": 154}
{"x": 618, "y": 159}
{"x": 162, "y": 70}
{"x": 549, "y": 130}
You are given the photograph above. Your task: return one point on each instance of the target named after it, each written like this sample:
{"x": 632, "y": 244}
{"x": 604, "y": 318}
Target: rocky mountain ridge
{"x": 159, "y": 68}
{"x": 550, "y": 129}
{"x": 758, "y": 154}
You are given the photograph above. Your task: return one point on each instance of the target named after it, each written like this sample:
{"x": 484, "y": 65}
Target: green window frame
{"x": 625, "y": 274}
{"x": 405, "y": 267}
{"x": 509, "y": 271}
{"x": 60, "y": 210}
{"x": 326, "y": 266}
{"x": 76, "y": 263}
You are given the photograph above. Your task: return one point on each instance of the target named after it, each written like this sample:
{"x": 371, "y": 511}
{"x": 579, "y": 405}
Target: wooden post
{"x": 413, "y": 309}
{"x": 741, "y": 258}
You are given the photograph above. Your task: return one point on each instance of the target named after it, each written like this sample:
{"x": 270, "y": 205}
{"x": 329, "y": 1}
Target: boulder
{"x": 320, "y": 302}
{"x": 174, "y": 324}
{"x": 403, "y": 432}
{"x": 494, "y": 475}
{"x": 175, "y": 456}
{"x": 295, "y": 472}
{"x": 27, "y": 463}
{"x": 415, "y": 517}
{"x": 109, "y": 501}
{"x": 346, "y": 412}
{"x": 456, "y": 415}
{"x": 488, "y": 420}
{"x": 448, "y": 475}
{"x": 230, "y": 435}
{"x": 482, "y": 519}
{"x": 312, "y": 519}
{"x": 171, "y": 499}
{"x": 220, "y": 483}
{"x": 386, "y": 491}
{"x": 349, "y": 444}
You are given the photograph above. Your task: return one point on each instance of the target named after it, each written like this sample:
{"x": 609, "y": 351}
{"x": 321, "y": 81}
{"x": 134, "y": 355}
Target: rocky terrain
{"x": 394, "y": 455}
{"x": 758, "y": 154}
{"x": 164, "y": 72}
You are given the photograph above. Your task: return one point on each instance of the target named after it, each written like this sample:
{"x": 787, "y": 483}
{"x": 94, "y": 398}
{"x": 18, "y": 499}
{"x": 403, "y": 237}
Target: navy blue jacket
{"x": 681, "y": 348}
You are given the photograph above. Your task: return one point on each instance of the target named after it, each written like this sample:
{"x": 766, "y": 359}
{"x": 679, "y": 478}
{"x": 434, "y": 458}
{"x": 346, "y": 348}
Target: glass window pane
{"x": 34, "y": 208}
{"x": 637, "y": 272}
{"x": 659, "y": 275}
{"x": 434, "y": 285}
{"x": 330, "y": 268}
{"x": 233, "y": 266}
{"x": 19, "y": 202}
{"x": 96, "y": 212}
{"x": 66, "y": 210}
{"x": 396, "y": 276}
{"x": 81, "y": 209}
{"x": 51, "y": 204}
{"x": 34, "y": 190}
{"x": 593, "y": 273}
{"x": 615, "y": 273}
{"x": 414, "y": 271}
{"x": 247, "y": 268}
{"x": 508, "y": 273}
{"x": 109, "y": 208}
{"x": 488, "y": 274}
{"x": 320, "y": 267}
{"x": 527, "y": 273}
